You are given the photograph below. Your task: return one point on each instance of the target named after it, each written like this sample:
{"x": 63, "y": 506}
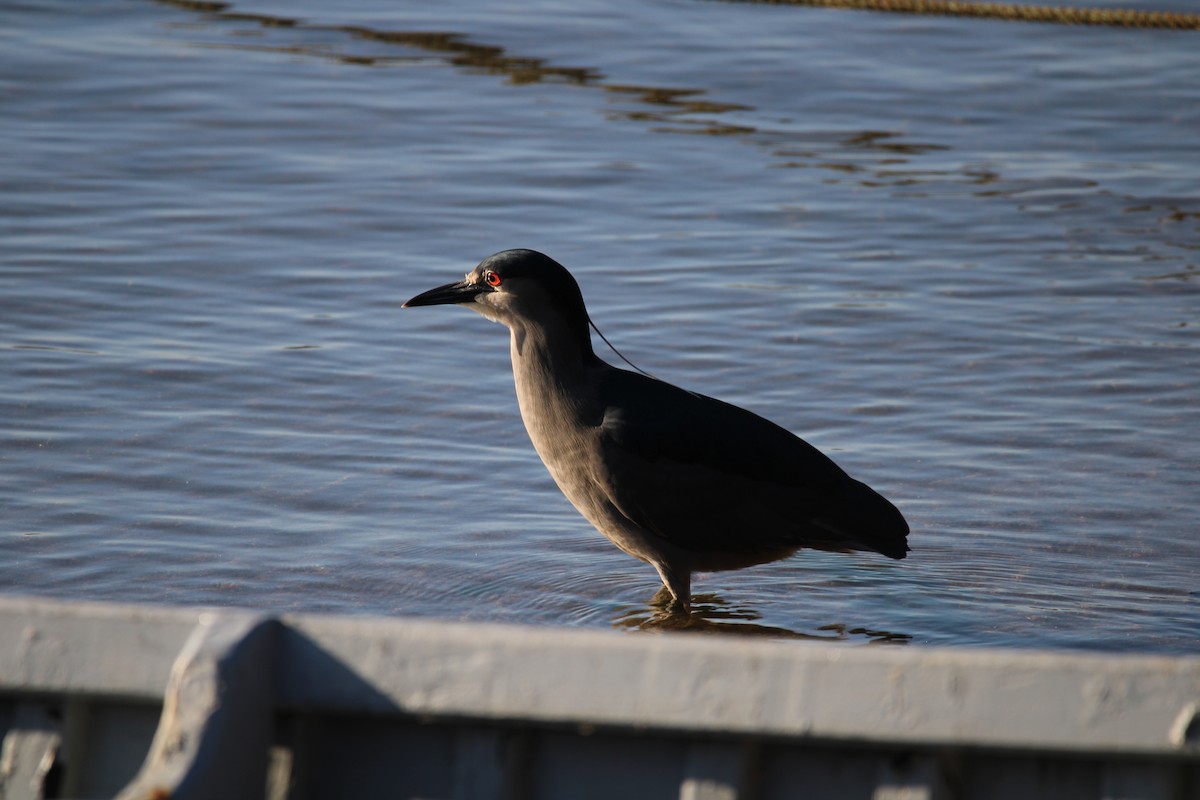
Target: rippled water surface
{"x": 958, "y": 255}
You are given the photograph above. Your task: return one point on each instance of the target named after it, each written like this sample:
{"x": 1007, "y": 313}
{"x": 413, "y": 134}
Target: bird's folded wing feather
{"x": 709, "y": 476}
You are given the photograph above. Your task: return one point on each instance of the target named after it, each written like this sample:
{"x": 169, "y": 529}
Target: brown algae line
{"x": 1013, "y": 12}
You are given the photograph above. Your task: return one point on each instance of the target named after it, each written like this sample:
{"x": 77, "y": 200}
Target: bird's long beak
{"x": 461, "y": 292}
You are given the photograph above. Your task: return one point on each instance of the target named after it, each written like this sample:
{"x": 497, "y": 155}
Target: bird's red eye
{"x": 492, "y": 278}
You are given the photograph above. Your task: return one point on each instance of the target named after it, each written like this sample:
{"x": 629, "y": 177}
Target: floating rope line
{"x": 1014, "y": 12}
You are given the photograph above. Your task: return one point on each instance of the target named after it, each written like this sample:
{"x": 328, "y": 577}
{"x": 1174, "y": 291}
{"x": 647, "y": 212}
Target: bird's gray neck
{"x": 554, "y": 377}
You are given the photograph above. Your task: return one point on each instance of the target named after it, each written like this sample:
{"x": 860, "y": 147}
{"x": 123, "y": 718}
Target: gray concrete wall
{"x": 100, "y": 700}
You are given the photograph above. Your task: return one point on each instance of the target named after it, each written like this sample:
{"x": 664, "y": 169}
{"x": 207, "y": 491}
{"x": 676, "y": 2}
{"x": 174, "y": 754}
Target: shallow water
{"x": 960, "y": 256}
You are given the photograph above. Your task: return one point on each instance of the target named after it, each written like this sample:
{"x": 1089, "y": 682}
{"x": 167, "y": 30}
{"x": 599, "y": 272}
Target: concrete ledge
{"x": 932, "y": 696}
{"x": 98, "y": 648}
{"x": 307, "y": 706}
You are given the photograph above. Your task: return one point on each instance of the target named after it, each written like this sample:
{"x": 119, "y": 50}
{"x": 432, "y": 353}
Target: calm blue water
{"x": 960, "y": 256}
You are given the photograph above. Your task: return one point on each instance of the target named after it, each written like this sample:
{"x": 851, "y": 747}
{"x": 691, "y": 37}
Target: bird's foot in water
{"x": 712, "y": 614}
{"x": 669, "y": 605}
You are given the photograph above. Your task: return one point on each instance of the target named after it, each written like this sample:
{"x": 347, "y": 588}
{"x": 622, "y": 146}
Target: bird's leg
{"x": 679, "y": 584}
{"x": 662, "y": 598}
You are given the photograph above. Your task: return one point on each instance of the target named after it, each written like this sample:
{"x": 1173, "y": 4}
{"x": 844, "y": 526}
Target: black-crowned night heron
{"x": 679, "y": 480}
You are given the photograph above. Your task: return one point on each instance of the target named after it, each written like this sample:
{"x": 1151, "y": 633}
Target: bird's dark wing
{"x": 710, "y": 477}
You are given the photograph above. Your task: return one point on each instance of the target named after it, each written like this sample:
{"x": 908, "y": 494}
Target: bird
{"x": 682, "y": 481}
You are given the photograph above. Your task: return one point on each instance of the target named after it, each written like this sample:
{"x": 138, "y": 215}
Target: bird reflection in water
{"x": 713, "y": 614}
